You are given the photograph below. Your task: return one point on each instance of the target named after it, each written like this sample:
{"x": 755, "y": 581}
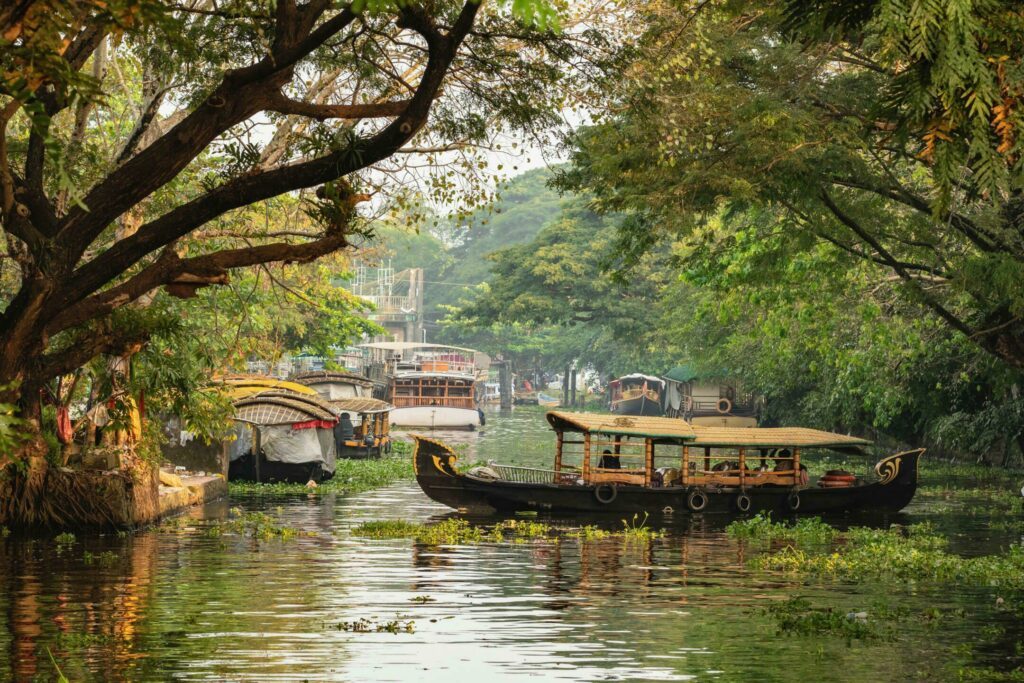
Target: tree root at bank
{"x": 43, "y": 496}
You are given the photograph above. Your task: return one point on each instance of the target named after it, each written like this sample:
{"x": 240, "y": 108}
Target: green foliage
{"x": 350, "y": 476}
{"x": 760, "y": 527}
{"x": 913, "y": 553}
{"x": 11, "y": 433}
{"x": 363, "y": 625}
{"x": 256, "y": 525}
{"x": 824, "y": 260}
{"x": 796, "y": 616}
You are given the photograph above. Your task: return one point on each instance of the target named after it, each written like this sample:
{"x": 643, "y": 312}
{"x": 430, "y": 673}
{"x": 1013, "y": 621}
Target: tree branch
{"x": 895, "y": 264}
{"x": 248, "y": 189}
{"x": 193, "y": 272}
{"x": 321, "y": 112}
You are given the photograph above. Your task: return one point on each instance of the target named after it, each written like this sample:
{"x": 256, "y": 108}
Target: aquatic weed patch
{"x": 363, "y": 625}
{"x": 797, "y": 616}
{"x": 255, "y": 525}
{"x": 350, "y": 476}
{"x": 900, "y": 553}
{"x": 447, "y": 532}
{"x": 457, "y": 531}
{"x": 636, "y": 529}
{"x": 879, "y": 621}
{"x": 760, "y": 527}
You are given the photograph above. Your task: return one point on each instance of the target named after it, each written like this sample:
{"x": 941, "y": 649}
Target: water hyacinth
{"x": 913, "y": 553}
{"x": 350, "y": 476}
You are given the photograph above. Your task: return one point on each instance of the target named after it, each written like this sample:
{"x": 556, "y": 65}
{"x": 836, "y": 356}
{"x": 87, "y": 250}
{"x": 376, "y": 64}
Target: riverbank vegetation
{"x": 350, "y": 476}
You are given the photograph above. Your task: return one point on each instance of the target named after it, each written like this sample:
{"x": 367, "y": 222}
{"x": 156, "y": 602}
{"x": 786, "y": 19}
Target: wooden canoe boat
{"x": 762, "y": 472}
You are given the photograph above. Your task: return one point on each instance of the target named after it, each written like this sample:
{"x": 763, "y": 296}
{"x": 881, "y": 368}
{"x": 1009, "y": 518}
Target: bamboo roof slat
{"x": 361, "y": 405}
{"x": 275, "y": 409}
{"x": 239, "y": 386}
{"x": 313, "y": 401}
{"x": 267, "y": 414}
{"x": 330, "y": 377}
{"x": 625, "y": 425}
{"x": 774, "y": 437}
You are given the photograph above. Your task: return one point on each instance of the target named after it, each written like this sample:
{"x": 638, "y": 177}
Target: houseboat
{"x": 432, "y": 385}
{"x": 334, "y": 385}
{"x": 282, "y": 436}
{"x": 363, "y": 421}
{"x": 364, "y": 427}
{"x": 659, "y": 465}
{"x": 709, "y": 402}
{"x": 637, "y": 394}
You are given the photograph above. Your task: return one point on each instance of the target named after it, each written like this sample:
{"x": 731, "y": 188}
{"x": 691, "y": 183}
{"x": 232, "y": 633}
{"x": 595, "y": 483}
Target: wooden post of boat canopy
{"x": 796, "y": 467}
{"x": 257, "y": 447}
{"x": 559, "y": 436}
{"x": 648, "y": 461}
{"x": 743, "y": 467}
{"x": 707, "y": 458}
{"x": 686, "y": 464}
{"x": 586, "y": 457}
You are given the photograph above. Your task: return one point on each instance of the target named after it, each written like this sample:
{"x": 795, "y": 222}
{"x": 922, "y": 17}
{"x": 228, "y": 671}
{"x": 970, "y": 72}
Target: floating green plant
{"x": 104, "y": 559}
{"x": 761, "y": 527}
{"x": 65, "y": 539}
{"x": 363, "y": 625}
{"x": 899, "y": 553}
{"x": 636, "y": 529}
{"x": 253, "y": 524}
{"x": 350, "y": 476}
{"x": 457, "y": 531}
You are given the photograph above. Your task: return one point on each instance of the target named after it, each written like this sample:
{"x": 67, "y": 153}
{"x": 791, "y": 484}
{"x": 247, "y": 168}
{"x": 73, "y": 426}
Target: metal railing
{"x": 433, "y": 401}
{"x": 526, "y": 475}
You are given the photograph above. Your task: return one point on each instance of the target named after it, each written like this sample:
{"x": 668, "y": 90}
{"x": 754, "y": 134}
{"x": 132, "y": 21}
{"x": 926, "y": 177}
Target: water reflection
{"x": 191, "y": 604}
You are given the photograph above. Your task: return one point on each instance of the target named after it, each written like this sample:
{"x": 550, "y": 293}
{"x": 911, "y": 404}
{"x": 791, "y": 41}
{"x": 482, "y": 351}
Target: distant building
{"x": 397, "y": 299}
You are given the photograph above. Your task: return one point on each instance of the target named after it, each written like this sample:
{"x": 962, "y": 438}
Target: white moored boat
{"x": 431, "y": 386}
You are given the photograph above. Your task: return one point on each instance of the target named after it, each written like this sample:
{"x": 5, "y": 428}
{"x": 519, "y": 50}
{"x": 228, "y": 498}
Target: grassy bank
{"x": 350, "y": 476}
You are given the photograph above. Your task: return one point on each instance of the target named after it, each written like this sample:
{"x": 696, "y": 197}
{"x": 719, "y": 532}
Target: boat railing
{"x": 527, "y": 475}
{"x": 433, "y": 401}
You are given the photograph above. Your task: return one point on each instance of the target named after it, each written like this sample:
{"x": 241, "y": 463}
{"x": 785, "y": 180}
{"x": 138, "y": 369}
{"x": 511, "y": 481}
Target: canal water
{"x": 192, "y": 604}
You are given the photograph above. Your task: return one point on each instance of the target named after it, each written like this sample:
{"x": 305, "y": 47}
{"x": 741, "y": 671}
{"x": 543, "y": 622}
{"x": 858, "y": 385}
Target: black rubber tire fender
{"x": 697, "y": 501}
{"x": 793, "y": 501}
{"x": 606, "y": 499}
{"x": 743, "y": 502}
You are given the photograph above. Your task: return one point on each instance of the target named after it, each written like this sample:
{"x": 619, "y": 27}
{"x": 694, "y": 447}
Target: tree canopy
{"x": 134, "y": 134}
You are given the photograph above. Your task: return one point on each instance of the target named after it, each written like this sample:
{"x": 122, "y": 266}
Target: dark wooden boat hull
{"x": 244, "y": 469}
{"x": 360, "y": 452}
{"x": 437, "y": 476}
{"x": 640, "y": 405}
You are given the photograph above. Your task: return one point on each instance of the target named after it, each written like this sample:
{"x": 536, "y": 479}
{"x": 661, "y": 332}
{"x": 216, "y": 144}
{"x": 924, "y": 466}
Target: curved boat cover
{"x": 363, "y": 406}
{"x": 638, "y": 377}
{"x": 624, "y": 425}
{"x": 266, "y": 410}
{"x": 331, "y": 377}
{"x": 316, "y": 404}
{"x": 240, "y": 386}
